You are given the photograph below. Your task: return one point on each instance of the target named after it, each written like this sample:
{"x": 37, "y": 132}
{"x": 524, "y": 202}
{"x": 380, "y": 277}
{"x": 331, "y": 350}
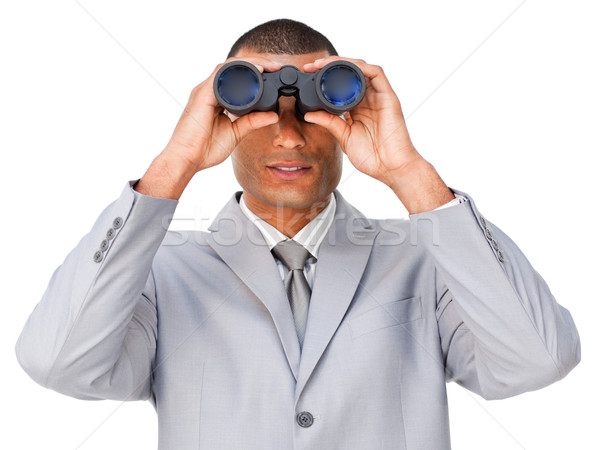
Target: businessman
{"x": 295, "y": 322}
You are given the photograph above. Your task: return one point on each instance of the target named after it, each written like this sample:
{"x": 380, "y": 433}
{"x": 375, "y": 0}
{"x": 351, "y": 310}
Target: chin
{"x": 291, "y": 198}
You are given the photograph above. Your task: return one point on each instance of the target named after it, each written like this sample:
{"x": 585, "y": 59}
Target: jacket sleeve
{"x": 501, "y": 330}
{"x": 93, "y": 334}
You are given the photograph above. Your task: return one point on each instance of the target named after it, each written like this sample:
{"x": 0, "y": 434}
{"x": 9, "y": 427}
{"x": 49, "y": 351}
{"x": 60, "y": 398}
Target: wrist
{"x": 419, "y": 187}
{"x": 167, "y": 177}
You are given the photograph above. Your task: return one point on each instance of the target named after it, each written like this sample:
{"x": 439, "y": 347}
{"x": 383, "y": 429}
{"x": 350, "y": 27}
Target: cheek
{"x": 245, "y": 153}
{"x": 241, "y": 165}
{"x": 334, "y": 165}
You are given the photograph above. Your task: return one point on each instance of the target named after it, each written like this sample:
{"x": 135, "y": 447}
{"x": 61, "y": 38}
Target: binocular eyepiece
{"x": 336, "y": 88}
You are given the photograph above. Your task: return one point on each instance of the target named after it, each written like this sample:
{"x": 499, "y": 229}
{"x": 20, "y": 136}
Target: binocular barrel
{"x": 336, "y": 88}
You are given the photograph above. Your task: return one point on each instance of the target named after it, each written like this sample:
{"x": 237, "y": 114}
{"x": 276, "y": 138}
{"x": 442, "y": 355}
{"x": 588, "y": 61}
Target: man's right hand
{"x": 203, "y": 137}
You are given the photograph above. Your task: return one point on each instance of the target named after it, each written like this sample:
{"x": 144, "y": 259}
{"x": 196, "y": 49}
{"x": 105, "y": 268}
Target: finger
{"x": 263, "y": 64}
{"x": 374, "y": 74}
{"x": 334, "y": 124}
{"x": 348, "y": 118}
{"x": 252, "y": 121}
{"x": 321, "y": 62}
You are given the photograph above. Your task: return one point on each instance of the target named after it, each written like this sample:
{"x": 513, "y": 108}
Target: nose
{"x": 289, "y": 132}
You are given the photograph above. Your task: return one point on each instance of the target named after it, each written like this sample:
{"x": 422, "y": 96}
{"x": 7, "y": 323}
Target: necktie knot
{"x": 292, "y": 254}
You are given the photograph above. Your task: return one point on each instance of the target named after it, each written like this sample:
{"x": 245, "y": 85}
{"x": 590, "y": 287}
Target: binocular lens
{"x": 238, "y": 86}
{"x": 340, "y": 85}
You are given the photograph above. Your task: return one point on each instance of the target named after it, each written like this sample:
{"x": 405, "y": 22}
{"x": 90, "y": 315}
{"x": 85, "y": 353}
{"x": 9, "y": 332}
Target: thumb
{"x": 252, "y": 121}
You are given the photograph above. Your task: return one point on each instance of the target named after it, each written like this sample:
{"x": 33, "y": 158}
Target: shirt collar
{"x": 310, "y": 237}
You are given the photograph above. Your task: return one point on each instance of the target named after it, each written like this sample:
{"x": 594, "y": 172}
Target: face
{"x": 266, "y": 161}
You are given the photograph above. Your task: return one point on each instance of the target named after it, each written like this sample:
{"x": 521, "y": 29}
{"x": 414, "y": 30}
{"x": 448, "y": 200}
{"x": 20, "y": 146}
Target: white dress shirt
{"x": 311, "y": 236}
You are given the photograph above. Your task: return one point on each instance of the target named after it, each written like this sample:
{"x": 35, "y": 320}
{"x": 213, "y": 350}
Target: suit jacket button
{"x": 117, "y": 223}
{"x": 304, "y": 419}
{"x": 110, "y": 233}
{"x": 98, "y": 256}
{"x": 104, "y": 245}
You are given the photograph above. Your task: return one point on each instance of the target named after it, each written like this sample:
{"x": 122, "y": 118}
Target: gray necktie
{"x": 294, "y": 256}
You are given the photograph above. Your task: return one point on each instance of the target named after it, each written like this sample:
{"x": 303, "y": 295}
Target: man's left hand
{"x": 375, "y": 138}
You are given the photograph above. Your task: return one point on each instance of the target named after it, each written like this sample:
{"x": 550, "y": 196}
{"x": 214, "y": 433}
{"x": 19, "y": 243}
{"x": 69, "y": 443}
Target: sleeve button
{"x": 103, "y": 245}
{"x": 110, "y": 233}
{"x": 501, "y": 256}
{"x": 117, "y": 223}
{"x": 495, "y": 244}
{"x": 488, "y": 234}
{"x": 98, "y": 256}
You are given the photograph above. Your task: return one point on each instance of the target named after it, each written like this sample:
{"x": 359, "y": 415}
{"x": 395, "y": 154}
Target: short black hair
{"x": 283, "y": 36}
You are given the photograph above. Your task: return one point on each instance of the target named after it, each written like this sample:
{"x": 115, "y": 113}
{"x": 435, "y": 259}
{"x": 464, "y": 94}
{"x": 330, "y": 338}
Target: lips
{"x": 289, "y": 170}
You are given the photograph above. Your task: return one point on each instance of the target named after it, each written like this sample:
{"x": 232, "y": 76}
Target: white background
{"x": 502, "y": 97}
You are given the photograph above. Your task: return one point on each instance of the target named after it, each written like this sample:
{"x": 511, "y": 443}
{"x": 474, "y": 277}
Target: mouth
{"x": 289, "y": 170}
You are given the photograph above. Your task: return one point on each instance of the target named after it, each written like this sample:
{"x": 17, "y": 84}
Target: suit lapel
{"x": 341, "y": 261}
{"x": 242, "y": 247}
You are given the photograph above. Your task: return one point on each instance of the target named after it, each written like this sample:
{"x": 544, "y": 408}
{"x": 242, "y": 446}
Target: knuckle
{"x": 197, "y": 89}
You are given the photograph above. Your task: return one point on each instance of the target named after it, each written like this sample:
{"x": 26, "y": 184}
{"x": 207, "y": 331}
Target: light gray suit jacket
{"x": 201, "y": 327}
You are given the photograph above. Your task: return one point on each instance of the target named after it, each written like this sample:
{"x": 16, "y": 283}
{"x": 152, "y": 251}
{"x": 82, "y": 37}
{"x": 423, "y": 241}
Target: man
{"x": 353, "y": 349}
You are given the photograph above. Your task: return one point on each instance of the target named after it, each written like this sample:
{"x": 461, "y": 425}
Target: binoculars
{"x": 336, "y": 88}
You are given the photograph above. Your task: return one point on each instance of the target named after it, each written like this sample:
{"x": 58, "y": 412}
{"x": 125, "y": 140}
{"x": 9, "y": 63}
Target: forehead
{"x": 295, "y": 60}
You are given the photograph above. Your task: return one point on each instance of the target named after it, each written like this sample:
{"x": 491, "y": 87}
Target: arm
{"x": 93, "y": 334}
{"x": 501, "y": 330}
